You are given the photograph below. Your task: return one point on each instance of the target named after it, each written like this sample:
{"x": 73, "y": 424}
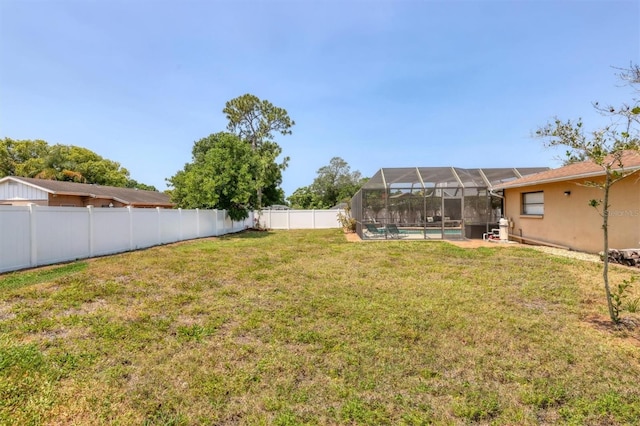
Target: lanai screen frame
{"x": 432, "y": 202}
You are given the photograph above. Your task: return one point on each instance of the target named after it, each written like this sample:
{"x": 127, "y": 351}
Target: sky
{"x": 378, "y": 83}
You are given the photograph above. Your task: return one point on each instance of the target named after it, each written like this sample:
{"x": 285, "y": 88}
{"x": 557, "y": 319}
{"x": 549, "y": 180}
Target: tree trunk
{"x": 605, "y": 229}
{"x": 259, "y": 197}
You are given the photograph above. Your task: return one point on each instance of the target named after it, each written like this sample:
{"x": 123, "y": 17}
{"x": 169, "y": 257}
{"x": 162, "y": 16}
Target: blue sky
{"x": 377, "y": 83}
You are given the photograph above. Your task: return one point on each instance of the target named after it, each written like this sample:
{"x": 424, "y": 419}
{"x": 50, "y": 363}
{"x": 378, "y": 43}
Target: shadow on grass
{"x": 21, "y": 279}
{"x": 605, "y": 324}
{"x": 250, "y": 233}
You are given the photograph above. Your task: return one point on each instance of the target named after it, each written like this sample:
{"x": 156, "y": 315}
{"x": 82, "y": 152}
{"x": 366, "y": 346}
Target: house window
{"x": 533, "y": 203}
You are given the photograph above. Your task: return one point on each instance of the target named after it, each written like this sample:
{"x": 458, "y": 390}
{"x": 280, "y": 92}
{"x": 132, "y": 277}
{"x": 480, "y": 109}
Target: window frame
{"x": 537, "y": 204}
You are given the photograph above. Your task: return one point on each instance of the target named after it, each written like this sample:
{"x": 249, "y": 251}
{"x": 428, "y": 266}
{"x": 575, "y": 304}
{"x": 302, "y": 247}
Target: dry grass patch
{"x": 301, "y": 327}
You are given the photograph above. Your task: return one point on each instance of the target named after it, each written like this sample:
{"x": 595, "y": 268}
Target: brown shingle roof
{"x": 585, "y": 169}
{"x": 129, "y": 196}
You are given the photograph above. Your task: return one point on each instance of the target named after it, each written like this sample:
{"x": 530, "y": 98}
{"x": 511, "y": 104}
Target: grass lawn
{"x": 302, "y": 327}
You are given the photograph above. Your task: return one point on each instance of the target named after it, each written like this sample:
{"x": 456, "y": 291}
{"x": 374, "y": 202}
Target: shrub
{"x": 346, "y": 221}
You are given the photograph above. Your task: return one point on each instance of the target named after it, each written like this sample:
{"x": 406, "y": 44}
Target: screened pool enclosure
{"x": 432, "y": 202}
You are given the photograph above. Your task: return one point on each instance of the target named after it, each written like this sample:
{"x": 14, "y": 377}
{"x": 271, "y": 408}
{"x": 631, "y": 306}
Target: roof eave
{"x": 565, "y": 178}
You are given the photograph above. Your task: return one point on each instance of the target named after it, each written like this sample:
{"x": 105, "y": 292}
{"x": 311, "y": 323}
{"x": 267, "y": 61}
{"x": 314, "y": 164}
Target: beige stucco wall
{"x": 570, "y": 221}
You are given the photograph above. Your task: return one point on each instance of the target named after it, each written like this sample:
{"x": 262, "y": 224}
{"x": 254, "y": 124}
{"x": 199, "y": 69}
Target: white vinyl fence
{"x": 35, "y": 235}
{"x": 299, "y": 219}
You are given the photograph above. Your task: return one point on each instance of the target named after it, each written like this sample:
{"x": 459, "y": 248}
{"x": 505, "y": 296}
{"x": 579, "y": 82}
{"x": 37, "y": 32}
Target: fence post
{"x": 91, "y": 228}
{"x": 130, "y": 209}
{"x": 33, "y": 238}
{"x": 198, "y": 223}
{"x": 180, "y": 224}
{"x": 288, "y": 220}
{"x": 159, "y": 227}
{"x": 313, "y": 218}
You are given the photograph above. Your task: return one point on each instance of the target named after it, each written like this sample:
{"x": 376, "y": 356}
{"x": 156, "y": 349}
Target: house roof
{"x": 584, "y": 169}
{"x": 129, "y": 196}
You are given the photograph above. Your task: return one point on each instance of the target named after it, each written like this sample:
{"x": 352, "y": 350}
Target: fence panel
{"x": 15, "y": 238}
{"x": 244, "y": 224}
{"x": 327, "y": 219}
{"x": 145, "y": 228}
{"x": 220, "y": 222}
{"x": 111, "y": 231}
{"x": 62, "y": 234}
{"x": 227, "y": 225}
{"x": 300, "y": 219}
{"x": 208, "y": 222}
{"x": 169, "y": 225}
{"x": 189, "y": 224}
{"x": 275, "y": 219}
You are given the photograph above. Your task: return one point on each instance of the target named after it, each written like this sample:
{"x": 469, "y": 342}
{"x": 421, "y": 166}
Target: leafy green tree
{"x": 605, "y": 147}
{"x": 5, "y": 160}
{"x": 335, "y": 183}
{"x": 132, "y": 183}
{"x": 304, "y": 198}
{"x": 220, "y": 176}
{"x": 256, "y": 121}
{"x": 22, "y": 158}
{"x": 61, "y": 162}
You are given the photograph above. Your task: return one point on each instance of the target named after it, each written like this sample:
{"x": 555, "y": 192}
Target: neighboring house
{"x": 340, "y": 206}
{"x": 20, "y": 191}
{"x": 277, "y": 207}
{"x": 553, "y": 208}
